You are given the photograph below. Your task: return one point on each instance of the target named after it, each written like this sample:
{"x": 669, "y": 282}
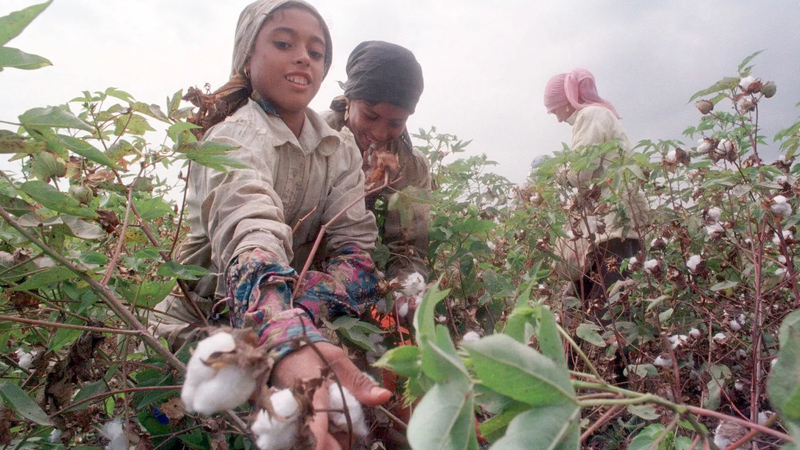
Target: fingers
{"x": 319, "y": 424}
{"x": 361, "y": 386}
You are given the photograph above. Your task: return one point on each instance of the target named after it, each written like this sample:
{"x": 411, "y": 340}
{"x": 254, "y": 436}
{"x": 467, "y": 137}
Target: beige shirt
{"x": 258, "y": 207}
{"x": 597, "y": 125}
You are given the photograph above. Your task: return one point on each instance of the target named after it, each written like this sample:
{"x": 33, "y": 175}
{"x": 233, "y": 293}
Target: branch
{"x": 69, "y": 325}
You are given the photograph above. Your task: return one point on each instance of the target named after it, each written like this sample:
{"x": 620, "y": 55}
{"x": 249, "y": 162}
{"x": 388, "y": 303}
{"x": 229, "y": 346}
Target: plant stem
{"x": 44, "y": 323}
{"x": 580, "y": 352}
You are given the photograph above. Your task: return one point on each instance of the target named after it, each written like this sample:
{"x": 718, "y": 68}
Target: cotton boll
{"x": 781, "y": 206}
{"x": 678, "y": 340}
{"x": 738, "y": 385}
{"x": 471, "y": 336}
{"x": 55, "y": 436}
{"x": 652, "y": 266}
{"x": 277, "y": 433}
{"x": 742, "y": 318}
{"x": 662, "y": 362}
{"x": 377, "y": 342}
{"x": 714, "y": 231}
{"x": 208, "y": 390}
{"x": 693, "y": 262}
{"x": 337, "y": 421}
{"x": 764, "y": 416}
{"x": 734, "y": 325}
{"x": 782, "y": 259}
{"x": 491, "y": 246}
{"x": 230, "y": 388}
{"x": 787, "y": 235}
{"x": 714, "y": 214}
{"x": 402, "y": 310}
{"x": 704, "y": 146}
{"x": 695, "y": 333}
{"x": 720, "y": 338}
{"x": 114, "y": 432}
{"x": 25, "y": 359}
{"x": 745, "y": 82}
{"x": 413, "y": 285}
{"x": 727, "y": 433}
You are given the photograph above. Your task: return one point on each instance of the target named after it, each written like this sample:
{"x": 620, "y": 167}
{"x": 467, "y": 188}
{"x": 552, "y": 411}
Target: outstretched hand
{"x": 306, "y": 363}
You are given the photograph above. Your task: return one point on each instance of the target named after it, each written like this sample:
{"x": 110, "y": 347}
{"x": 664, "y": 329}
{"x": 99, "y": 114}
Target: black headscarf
{"x": 380, "y": 72}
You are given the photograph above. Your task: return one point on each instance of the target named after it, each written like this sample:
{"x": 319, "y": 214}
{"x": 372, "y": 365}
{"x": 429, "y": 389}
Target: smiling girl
{"x": 254, "y": 227}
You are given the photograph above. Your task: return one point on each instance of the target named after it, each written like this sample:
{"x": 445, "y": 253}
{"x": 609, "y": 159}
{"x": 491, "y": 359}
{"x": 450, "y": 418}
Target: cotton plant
{"x": 278, "y": 430}
{"x": 412, "y": 289}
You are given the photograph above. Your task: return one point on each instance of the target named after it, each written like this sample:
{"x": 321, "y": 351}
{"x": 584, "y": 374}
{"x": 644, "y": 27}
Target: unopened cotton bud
{"x": 704, "y": 106}
{"x": 769, "y": 89}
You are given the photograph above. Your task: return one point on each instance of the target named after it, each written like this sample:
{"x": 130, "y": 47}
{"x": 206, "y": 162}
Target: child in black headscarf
{"x": 384, "y": 84}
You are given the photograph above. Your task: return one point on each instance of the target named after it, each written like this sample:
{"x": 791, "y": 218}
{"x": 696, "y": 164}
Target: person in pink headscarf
{"x": 573, "y": 98}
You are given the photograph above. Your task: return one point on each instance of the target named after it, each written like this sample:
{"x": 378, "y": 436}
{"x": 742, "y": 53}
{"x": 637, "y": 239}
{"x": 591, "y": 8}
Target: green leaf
{"x": 520, "y": 323}
{"x": 87, "y": 150}
{"x": 357, "y": 337}
{"x": 643, "y": 370}
{"x": 424, "y": 317}
{"x": 45, "y": 278}
{"x": 550, "y": 339}
{"x": 784, "y": 381}
{"x": 83, "y": 229}
{"x": 152, "y": 208}
{"x": 403, "y": 360}
{"x": 218, "y": 162}
{"x": 17, "y": 59}
{"x": 19, "y": 401}
{"x": 474, "y": 226}
{"x": 588, "y": 332}
{"x": 51, "y": 198}
{"x": 544, "y": 427}
{"x": 151, "y": 110}
{"x": 494, "y": 428}
{"x": 89, "y": 390}
{"x": 724, "y": 285}
{"x": 52, "y": 117}
{"x": 11, "y": 142}
{"x": 646, "y": 412}
{"x": 440, "y": 361}
{"x": 175, "y": 270}
{"x": 444, "y": 419}
{"x": 747, "y": 60}
{"x": 13, "y": 24}
{"x": 520, "y": 372}
{"x": 132, "y": 124}
{"x": 150, "y": 293}
{"x": 645, "y": 439}
{"x": 65, "y": 336}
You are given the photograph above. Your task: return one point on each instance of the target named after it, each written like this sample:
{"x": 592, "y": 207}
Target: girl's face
{"x": 563, "y": 112}
{"x": 287, "y": 63}
{"x": 377, "y": 124}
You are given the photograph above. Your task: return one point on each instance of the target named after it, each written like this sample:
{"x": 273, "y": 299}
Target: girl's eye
{"x": 281, "y": 45}
{"x": 316, "y": 55}
{"x": 370, "y": 118}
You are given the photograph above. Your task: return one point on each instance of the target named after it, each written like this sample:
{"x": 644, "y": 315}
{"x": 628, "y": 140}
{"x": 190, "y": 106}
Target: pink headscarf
{"x": 575, "y": 88}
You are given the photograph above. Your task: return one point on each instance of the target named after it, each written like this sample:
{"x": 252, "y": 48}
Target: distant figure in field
{"x": 573, "y": 98}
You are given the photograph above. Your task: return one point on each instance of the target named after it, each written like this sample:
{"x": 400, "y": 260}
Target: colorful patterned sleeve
{"x": 354, "y": 269}
{"x": 261, "y": 294}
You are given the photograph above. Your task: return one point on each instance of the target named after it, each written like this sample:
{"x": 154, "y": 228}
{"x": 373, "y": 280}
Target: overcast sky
{"x": 485, "y": 62}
